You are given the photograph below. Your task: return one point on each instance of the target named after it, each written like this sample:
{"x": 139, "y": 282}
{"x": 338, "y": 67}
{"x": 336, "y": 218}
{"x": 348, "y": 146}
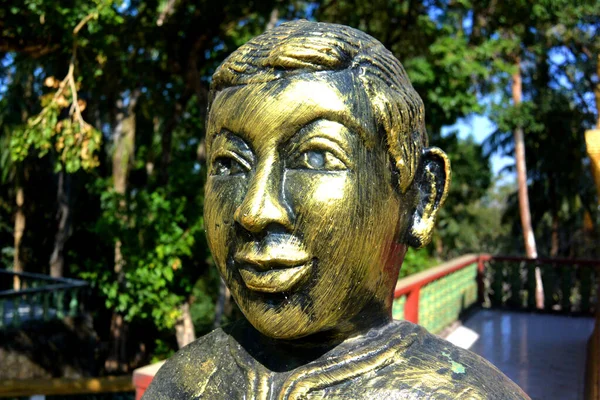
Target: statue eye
{"x": 315, "y": 159}
{"x": 226, "y": 166}
{"x": 319, "y": 160}
{"x": 319, "y": 153}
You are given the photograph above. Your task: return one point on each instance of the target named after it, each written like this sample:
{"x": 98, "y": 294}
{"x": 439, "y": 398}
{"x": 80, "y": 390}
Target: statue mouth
{"x": 277, "y": 264}
{"x": 274, "y": 280}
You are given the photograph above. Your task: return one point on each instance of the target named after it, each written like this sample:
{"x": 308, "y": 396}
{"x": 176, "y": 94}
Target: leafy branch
{"x": 72, "y": 137}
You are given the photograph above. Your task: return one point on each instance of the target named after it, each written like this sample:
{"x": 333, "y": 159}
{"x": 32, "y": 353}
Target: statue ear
{"x": 432, "y": 183}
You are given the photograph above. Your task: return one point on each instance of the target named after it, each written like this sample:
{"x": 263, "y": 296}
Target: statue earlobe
{"x": 432, "y": 183}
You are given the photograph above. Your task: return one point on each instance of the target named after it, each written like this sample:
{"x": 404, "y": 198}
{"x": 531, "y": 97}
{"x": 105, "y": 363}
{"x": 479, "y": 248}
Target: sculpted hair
{"x": 300, "y": 47}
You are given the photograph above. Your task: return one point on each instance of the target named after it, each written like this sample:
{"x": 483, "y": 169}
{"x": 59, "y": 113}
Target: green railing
{"x": 27, "y": 296}
{"x": 437, "y": 297}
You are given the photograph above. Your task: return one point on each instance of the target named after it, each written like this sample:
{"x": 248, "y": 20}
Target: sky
{"x": 480, "y": 127}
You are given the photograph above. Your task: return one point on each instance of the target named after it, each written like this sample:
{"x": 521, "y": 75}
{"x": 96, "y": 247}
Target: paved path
{"x": 544, "y": 354}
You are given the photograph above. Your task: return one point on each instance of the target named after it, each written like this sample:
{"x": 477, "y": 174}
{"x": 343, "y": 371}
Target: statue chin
{"x": 319, "y": 177}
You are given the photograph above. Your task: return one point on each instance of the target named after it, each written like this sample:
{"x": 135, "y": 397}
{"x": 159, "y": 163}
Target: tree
{"x": 102, "y": 115}
{"x": 148, "y": 205}
{"x": 555, "y": 114}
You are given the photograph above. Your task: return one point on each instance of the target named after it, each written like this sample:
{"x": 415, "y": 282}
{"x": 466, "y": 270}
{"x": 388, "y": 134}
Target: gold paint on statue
{"x": 319, "y": 178}
{"x": 303, "y": 185}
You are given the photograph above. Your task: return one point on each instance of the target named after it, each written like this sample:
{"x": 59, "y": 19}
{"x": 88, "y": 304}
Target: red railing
{"x": 142, "y": 377}
{"x": 411, "y": 285}
{"x": 489, "y": 285}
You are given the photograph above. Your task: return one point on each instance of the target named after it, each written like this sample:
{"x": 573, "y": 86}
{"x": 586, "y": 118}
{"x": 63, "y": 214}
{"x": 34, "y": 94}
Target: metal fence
{"x": 570, "y": 286}
{"x": 27, "y": 296}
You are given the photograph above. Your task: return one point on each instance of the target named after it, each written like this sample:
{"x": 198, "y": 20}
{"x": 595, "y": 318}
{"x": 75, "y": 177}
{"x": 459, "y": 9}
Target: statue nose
{"x": 263, "y": 204}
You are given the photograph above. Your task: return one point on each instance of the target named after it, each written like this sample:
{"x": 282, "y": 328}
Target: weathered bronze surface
{"x": 319, "y": 178}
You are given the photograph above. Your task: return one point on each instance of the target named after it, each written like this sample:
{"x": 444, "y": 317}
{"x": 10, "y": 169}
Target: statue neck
{"x": 285, "y": 355}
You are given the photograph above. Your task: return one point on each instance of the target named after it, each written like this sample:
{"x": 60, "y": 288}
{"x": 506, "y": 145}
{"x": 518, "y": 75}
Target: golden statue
{"x": 319, "y": 178}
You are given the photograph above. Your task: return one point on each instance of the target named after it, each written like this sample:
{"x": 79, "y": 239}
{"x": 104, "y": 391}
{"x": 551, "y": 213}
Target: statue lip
{"x": 274, "y": 280}
{"x": 276, "y": 264}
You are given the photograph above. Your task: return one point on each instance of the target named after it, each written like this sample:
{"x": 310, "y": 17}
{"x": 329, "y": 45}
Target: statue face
{"x": 302, "y": 212}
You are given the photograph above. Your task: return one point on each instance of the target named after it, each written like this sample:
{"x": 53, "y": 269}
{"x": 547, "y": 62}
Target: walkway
{"x": 544, "y": 354}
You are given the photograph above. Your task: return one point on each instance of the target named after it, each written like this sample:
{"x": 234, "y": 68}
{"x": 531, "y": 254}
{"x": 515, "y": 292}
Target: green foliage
{"x": 203, "y": 306}
{"x": 109, "y": 52}
{"x": 162, "y": 351}
{"x": 6, "y": 257}
{"x": 507, "y": 117}
{"x": 59, "y": 126}
{"x": 416, "y": 261}
{"x": 74, "y": 141}
{"x": 155, "y": 237}
{"x": 468, "y": 221}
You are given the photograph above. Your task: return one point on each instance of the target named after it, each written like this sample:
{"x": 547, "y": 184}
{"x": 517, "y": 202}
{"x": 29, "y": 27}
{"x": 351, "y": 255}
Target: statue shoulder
{"x": 189, "y": 369}
{"x": 436, "y": 366}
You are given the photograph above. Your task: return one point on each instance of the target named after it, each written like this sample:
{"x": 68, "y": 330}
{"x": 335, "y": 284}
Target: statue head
{"x": 319, "y": 178}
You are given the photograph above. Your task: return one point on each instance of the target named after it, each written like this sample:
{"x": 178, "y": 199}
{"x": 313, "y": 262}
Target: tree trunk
{"x": 117, "y": 358}
{"x": 19, "y": 231}
{"x": 439, "y": 246}
{"x": 20, "y": 218}
{"x": 184, "y": 328}
{"x": 124, "y": 148}
{"x": 63, "y": 216}
{"x": 555, "y": 242}
{"x": 273, "y": 18}
{"x": 166, "y": 139}
{"x": 124, "y": 139}
{"x": 528, "y": 236}
{"x": 554, "y": 235}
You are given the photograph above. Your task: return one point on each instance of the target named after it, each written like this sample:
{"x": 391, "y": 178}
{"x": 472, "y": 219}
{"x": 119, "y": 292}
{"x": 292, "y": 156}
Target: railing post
{"x": 59, "y": 298}
{"x": 480, "y": 279}
{"x": 587, "y": 278}
{"x": 411, "y": 307}
{"x": 73, "y": 304}
{"x": 32, "y": 301}
{"x": 16, "y": 319}
{"x": 46, "y": 305}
